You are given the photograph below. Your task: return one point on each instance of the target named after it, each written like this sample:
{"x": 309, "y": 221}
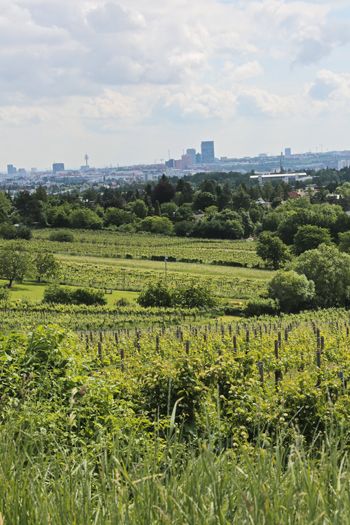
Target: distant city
{"x": 190, "y": 163}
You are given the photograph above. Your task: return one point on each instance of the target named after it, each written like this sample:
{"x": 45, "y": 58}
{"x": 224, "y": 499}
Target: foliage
{"x": 291, "y": 290}
{"x": 66, "y": 295}
{"x": 272, "y": 250}
{"x": 309, "y": 237}
{"x": 260, "y": 306}
{"x": 62, "y": 236}
{"x": 14, "y": 262}
{"x": 45, "y": 265}
{"x": 329, "y": 269}
{"x": 160, "y": 225}
{"x": 156, "y": 294}
{"x": 191, "y": 295}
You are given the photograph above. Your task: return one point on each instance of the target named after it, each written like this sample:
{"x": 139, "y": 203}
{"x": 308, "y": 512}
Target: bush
{"x": 293, "y": 291}
{"x": 8, "y": 231}
{"x": 155, "y": 295}
{"x": 123, "y": 301}
{"x": 193, "y": 296}
{"x": 260, "y": 306}
{"x": 4, "y": 294}
{"x": 25, "y": 233}
{"x": 186, "y": 296}
{"x": 62, "y": 236}
{"x": 67, "y": 295}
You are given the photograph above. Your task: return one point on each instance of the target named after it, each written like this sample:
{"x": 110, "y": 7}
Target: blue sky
{"x": 127, "y": 81}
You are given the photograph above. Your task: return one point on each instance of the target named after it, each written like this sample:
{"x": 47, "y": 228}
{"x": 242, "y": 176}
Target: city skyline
{"x": 127, "y": 81}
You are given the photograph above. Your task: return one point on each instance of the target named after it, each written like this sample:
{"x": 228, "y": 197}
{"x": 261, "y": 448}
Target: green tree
{"x": 293, "y": 291}
{"x": 203, "y": 199}
{"x": 156, "y": 225}
{"x": 45, "y": 265}
{"x": 40, "y": 194}
{"x": 330, "y": 271}
{"x": 117, "y": 217}
{"x": 140, "y": 209}
{"x": 85, "y": 218}
{"x": 5, "y": 206}
{"x": 15, "y": 263}
{"x": 272, "y": 250}
{"x": 344, "y": 239}
{"x": 157, "y": 209}
{"x": 310, "y": 237}
{"x": 157, "y": 294}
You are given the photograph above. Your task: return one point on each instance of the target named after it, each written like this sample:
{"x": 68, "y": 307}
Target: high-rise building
{"x": 57, "y": 166}
{"x": 170, "y": 163}
{"x": 178, "y": 164}
{"x": 186, "y": 161}
{"x": 198, "y": 158}
{"x": 207, "y": 149}
{"x": 288, "y": 152}
{"x": 11, "y": 169}
{"x": 192, "y": 154}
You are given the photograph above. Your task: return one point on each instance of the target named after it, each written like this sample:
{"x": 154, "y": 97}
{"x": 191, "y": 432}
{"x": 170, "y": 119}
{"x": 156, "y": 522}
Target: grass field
{"x": 204, "y": 270}
{"x": 35, "y": 291}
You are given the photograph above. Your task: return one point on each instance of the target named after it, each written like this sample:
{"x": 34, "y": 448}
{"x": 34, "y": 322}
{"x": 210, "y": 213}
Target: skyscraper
{"x": 208, "y": 152}
{"x": 10, "y": 169}
{"x": 57, "y": 166}
{"x": 288, "y": 152}
{"x": 192, "y": 154}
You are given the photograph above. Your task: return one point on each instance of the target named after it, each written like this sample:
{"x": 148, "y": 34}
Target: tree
{"x": 5, "y": 206}
{"x": 156, "y": 225}
{"x": 85, "y": 218}
{"x": 139, "y": 208}
{"x": 40, "y": 194}
{"x": 45, "y": 265}
{"x": 203, "y": 199}
{"x": 157, "y": 294}
{"x": 157, "y": 209}
{"x": 240, "y": 199}
{"x": 344, "y": 245}
{"x": 14, "y": 263}
{"x": 291, "y": 290}
{"x": 163, "y": 191}
{"x": 330, "y": 271}
{"x": 310, "y": 237}
{"x": 272, "y": 250}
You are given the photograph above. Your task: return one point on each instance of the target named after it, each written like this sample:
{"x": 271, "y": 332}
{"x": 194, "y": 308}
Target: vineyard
{"x": 116, "y": 426}
{"x": 109, "y": 244}
{"x": 117, "y": 278}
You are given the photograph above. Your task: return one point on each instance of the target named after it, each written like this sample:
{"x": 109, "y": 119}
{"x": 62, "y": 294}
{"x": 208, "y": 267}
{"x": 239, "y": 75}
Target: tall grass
{"x": 263, "y": 485}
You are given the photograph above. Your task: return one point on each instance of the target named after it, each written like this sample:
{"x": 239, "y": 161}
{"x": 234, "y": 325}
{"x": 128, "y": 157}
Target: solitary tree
{"x": 272, "y": 250}
{"x": 14, "y": 263}
{"x": 45, "y": 265}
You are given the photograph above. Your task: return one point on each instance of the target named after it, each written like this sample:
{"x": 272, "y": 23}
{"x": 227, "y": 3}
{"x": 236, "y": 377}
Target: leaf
{"x": 173, "y": 416}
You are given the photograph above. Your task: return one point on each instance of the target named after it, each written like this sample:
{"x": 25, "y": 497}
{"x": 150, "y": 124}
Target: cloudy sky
{"x": 127, "y": 81}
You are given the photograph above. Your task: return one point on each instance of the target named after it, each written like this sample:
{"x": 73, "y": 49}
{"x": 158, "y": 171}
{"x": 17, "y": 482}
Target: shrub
{"x": 193, "y": 296}
{"x": 293, "y": 291}
{"x": 187, "y": 296}
{"x": 4, "y": 294}
{"x": 260, "y": 306}
{"x": 155, "y": 295}
{"x": 66, "y": 295}
{"x": 123, "y": 301}
{"x": 62, "y": 236}
{"x": 25, "y": 233}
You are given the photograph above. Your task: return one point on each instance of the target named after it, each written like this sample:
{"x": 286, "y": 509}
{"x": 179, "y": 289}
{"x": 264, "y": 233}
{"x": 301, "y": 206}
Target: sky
{"x": 127, "y": 81}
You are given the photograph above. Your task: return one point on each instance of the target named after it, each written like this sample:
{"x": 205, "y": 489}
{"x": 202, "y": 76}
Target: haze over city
{"x": 129, "y": 81}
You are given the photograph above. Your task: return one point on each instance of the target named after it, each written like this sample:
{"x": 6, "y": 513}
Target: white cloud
{"x": 118, "y": 65}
